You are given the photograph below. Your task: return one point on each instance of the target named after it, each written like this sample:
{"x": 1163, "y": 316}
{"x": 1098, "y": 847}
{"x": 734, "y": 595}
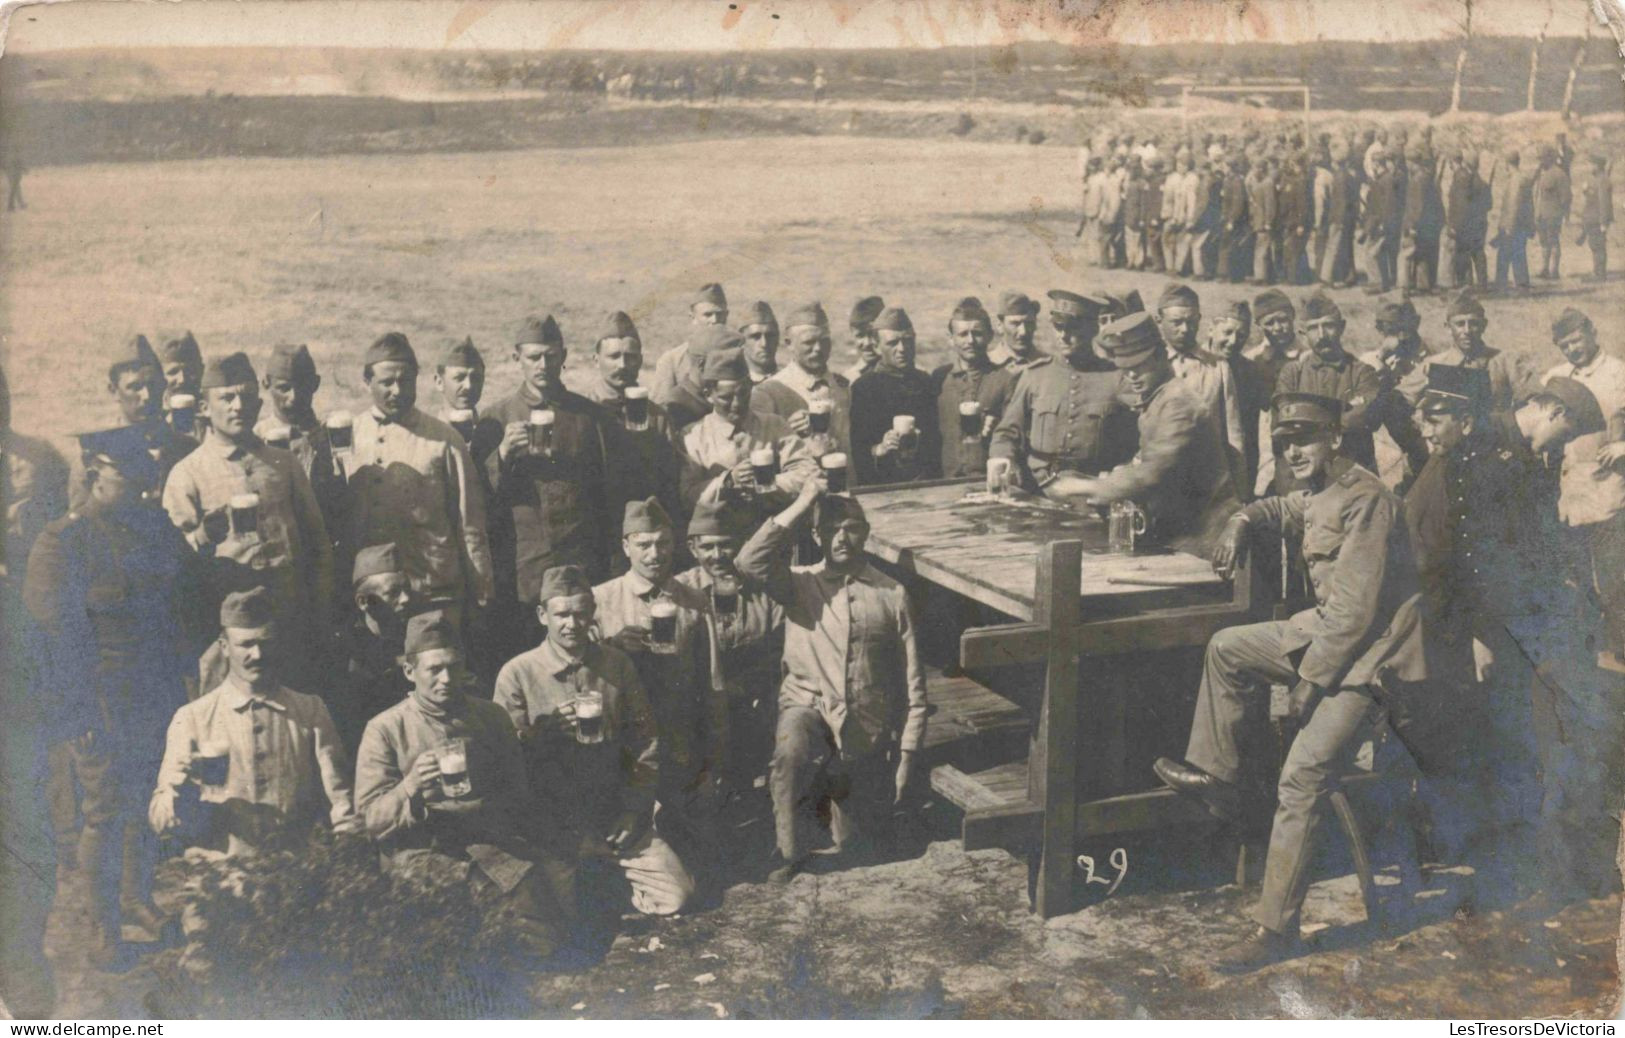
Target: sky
{"x": 725, "y": 25}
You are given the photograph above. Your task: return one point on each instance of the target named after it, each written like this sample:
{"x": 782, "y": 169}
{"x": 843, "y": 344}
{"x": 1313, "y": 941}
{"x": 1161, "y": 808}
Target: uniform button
{"x": 258, "y": 729}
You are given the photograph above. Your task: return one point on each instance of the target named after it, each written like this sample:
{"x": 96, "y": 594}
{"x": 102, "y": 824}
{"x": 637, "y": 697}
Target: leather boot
{"x": 140, "y": 919}
{"x": 97, "y": 845}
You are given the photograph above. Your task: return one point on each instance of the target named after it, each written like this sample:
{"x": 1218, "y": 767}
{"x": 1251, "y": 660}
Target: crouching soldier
{"x": 1366, "y": 620}
{"x": 382, "y": 592}
{"x": 441, "y": 785}
{"x": 590, "y": 742}
{"x": 852, "y": 706}
{"x": 251, "y": 764}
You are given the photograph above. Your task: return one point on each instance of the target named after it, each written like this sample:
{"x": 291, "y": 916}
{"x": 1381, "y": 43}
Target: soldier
{"x": 682, "y": 674}
{"x": 852, "y": 705}
{"x": 864, "y": 341}
{"x": 1064, "y": 414}
{"x": 807, "y": 385}
{"x": 1234, "y": 231}
{"x": 1379, "y": 224}
{"x": 1421, "y": 218}
{"x": 1342, "y": 217}
{"x": 1212, "y": 384}
{"x": 1366, "y": 620}
{"x": 465, "y": 813}
{"x": 882, "y": 454}
{"x": 1226, "y": 339}
{"x": 1180, "y": 476}
{"x": 760, "y": 330}
{"x": 639, "y": 437}
{"x": 1552, "y": 195}
{"x": 1018, "y": 323}
{"x": 1401, "y": 367}
{"x": 135, "y": 382}
{"x": 460, "y": 377}
{"x": 105, "y": 584}
{"x": 381, "y": 590}
{"x": 1295, "y": 215}
{"x": 1179, "y": 200}
{"x": 1513, "y": 196}
{"x": 718, "y": 448}
{"x": 971, "y": 378}
{"x": 1206, "y": 221}
{"x": 279, "y": 540}
{"x": 181, "y": 363}
{"x": 596, "y": 781}
{"x": 290, "y": 383}
{"x": 1134, "y": 214}
{"x": 550, "y": 480}
{"x": 264, "y": 758}
{"x": 1596, "y": 214}
{"x": 1512, "y": 377}
{"x": 35, "y": 490}
{"x": 411, "y": 483}
{"x": 1466, "y": 202}
{"x": 1262, "y": 205}
{"x": 676, "y": 379}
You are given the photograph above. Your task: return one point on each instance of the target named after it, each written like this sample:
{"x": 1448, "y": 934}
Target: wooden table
{"x": 1072, "y": 607}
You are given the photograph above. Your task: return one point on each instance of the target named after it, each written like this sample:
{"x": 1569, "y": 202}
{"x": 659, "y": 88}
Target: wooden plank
{"x": 1053, "y": 764}
{"x": 1014, "y": 827}
{"x": 1005, "y": 644}
{"x": 962, "y": 789}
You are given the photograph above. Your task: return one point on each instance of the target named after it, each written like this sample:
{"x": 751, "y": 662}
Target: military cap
{"x": 645, "y": 516}
{"x": 725, "y": 365}
{"x": 136, "y": 352}
{"x": 431, "y": 630}
{"x": 1177, "y": 294}
{"x": 712, "y": 293}
{"x": 1398, "y": 318}
{"x": 375, "y": 560}
{"x": 1131, "y": 339}
{"x": 811, "y": 314}
{"x": 718, "y": 519}
{"x": 864, "y": 312}
{"x": 182, "y": 348}
{"x": 291, "y": 362}
{"x": 713, "y": 338}
{"x": 233, "y": 369}
{"x": 460, "y": 353}
{"x": 1237, "y": 311}
{"x": 758, "y": 313}
{"x": 969, "y": 309}
{"x": 1016, "y": 304}
{"x": 839, "y": 508}
{"x": 249, "y": 608}
{"x": 124, "y": 448}
{"x": 1305, "y": 410}
{"x": 1123, "y": 305}
{"x": 563, "y": 582}
{"x": 1464, "y": 303}
{"x": 539, "y": 331}
{"x": 1568, "y": 322}
{"x": 1451, "y": 387}
{"x": 1320, "y": 305}
{"x": 1064, "y": 305}
{"x": 390, "y": 348}
{"x": 1581, "y": 403}
{"x": 894, "y": 319}
{"x": 617, "y": 325}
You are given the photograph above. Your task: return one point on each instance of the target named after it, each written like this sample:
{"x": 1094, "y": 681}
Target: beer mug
{"x": 183, "y": 412}
{"x": 1124, "y": 522}
{"x": 589, "y": 718}
{"x": 211, "y": 762}
{"x": 541, "y": 431}
{"x": 244, "y": 513}
{"x": 834, "y": 466}
{"x": 663, "y": 627}
{"x": 908, "y": 436}
{"x": 764, "y": 467}
{"x": 279, "y": 436}
{"x": 453, "y": 759}
{"x": 818, "y": 415}
{"x": 725, "y": 598}
{"x": 970, "y": 420}
{"x": 340, "y": 430}
{"x": 636, "y": 412}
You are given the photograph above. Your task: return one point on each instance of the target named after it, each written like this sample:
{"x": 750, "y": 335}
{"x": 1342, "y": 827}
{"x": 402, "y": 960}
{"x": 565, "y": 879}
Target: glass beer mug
{"x": 1124, "y": 523}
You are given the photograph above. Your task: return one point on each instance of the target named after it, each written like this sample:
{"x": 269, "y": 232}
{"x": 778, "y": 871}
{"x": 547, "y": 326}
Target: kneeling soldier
{"x": 1366, "y": 620}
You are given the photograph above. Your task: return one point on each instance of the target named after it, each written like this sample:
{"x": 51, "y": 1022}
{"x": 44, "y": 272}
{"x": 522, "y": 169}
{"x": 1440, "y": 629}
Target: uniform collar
{"x": 1317, "y": 361}
{"x": 728, "y": 429}
{"x": 217, "y": 444}
{"x": 862, "y": 575}
{"x": 558, "y": 663}
{"x": 802, "y": 381}
{"x": 405, "y": 421}
{"x": 239, "y": 697}
{"x": 640, "y": 585}
{"x": 1598, "y": 362}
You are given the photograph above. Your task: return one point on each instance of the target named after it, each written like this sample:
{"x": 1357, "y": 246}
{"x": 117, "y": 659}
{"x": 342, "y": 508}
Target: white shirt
{"x": 1605, "y": 377}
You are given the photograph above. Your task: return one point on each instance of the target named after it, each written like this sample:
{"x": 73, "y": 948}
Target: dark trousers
{"x": 1596, "y": 236}
{"x": 1240, "y": 664}
{"x": 1512, "y": 254}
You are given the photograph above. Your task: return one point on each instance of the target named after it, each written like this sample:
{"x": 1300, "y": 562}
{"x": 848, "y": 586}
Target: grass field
{"x": 334, "y": 251}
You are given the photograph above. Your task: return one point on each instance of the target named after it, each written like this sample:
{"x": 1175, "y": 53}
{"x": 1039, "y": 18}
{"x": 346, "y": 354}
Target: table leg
{"x": 1052, "y": 777}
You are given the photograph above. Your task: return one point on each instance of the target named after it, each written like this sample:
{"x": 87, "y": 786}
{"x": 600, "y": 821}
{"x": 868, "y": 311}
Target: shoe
{"x": 786, "y": 871}
{"x": 1260, "y": 950}
{"x": 142, "y": 923}
{"x": 1223, "y": 799}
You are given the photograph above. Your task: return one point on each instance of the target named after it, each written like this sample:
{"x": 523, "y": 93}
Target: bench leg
{"x": 1357, "y": 848}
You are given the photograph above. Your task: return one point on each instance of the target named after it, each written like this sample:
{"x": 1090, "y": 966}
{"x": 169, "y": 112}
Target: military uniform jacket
{"x": 1512, "y": 378}
{"x": 1367, "y": 615}
{"x": 1552, "y": 197}
{"x": 1596, "y": 200}
{"x": 647, "y": 461}
{"x": 877, "y": 398}
{"x": 1345, "y": 379}
{"x": 1060, "y": 417}
{"x": 991, "y": 388}
{"x": 34, "y": 486}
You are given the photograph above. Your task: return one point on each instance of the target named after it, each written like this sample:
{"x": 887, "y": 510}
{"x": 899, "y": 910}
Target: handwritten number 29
{"x": 1118, "y": 860}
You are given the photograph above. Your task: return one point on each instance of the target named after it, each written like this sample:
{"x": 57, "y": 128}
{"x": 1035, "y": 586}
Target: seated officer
{"x": 594, "y": 782}
{"x": 1366, "y": 620}
{"x": 266, "y": 759}
{"x": 1181, "y": 476}
{"x": 852, "y": 705}
{"x": 441, "y": 786}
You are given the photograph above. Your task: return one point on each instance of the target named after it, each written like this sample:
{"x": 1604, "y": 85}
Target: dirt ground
{"x": 335, "y": 251}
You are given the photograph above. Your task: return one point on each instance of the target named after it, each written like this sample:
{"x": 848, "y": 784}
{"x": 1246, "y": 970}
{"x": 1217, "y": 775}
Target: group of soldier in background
{"x": 586, "y": 622}
{"x": 1380, "y": 207}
